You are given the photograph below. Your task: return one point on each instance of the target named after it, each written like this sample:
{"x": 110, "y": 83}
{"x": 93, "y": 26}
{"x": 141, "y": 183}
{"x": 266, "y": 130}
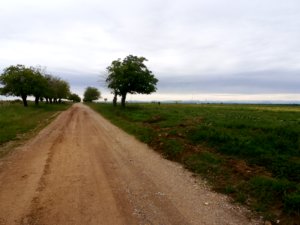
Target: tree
{"x": 25, "y": 81}
{"x": 74, "y": 97}
{"x": 18, "y": 81}
{"x": 49, "y": 91}
{"x": 39, "y": 85}
{"x": 91, "y": 94}
{"x": 56, "y": 89}
{"x": 62, "y": 90}
{"x": 130, "y": 76}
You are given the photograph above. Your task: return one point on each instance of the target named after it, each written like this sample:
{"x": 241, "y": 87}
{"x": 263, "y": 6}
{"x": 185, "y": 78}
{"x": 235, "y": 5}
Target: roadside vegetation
{"x": 250, "y": 152}
{"x": 17, "y": 121}
{"x": 47, "y": 90}
{"x": 22, "y": 81}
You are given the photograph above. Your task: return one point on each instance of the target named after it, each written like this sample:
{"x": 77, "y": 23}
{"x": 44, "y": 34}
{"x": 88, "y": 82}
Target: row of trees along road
{"x": 24, "y": 81}
{"x": 130, "y": 75}
{"x": 74, "y": 97}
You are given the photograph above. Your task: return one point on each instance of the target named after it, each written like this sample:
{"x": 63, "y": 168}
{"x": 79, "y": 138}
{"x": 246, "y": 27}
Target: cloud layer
{"x": 193, "y": 46}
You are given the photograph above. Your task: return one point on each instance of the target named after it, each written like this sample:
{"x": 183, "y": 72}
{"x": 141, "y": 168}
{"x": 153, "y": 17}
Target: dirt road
{"x": 83, "y": 170}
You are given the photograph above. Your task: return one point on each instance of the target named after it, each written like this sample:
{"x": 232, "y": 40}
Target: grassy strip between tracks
{"x": 16, "y": 121}
{"x": 250, "y": 152}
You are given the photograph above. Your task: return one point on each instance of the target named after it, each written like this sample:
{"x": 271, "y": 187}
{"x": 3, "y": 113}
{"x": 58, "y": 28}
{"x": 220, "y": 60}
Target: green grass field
{"x": 251, "y": 152}
{"x": 16, "y": 120}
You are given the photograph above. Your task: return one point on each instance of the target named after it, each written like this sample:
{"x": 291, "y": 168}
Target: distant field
{"x": 16, "y": 120}
{"x": 251, "y": 152}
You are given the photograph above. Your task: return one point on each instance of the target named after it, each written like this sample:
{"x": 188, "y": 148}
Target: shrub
{"x": 292, "y": 203}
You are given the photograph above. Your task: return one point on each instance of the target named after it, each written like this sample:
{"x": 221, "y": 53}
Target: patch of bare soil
{"x": 83, "y": 170}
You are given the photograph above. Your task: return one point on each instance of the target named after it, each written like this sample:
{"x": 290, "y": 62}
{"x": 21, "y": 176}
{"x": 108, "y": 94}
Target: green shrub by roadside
{"x": 204, "y": 163}
{"x": 172, "y": 148}
{"x": 292, "y": 203}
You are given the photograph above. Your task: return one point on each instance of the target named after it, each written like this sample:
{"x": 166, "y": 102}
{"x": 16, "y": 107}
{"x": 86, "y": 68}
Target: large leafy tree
{"x": 91, "y": 94}
{"x": 130, "y": 76}
{"x": 18, "y": 81}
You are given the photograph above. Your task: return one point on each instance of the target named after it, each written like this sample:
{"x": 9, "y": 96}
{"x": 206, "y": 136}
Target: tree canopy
{"x": 91, "y": 94}
{"x": 130, "y": 75}
{"x": 19, "y": 81}
{"x": 74, "y": 97}
{"x": 24, "y": 81}
{"x": 39, "y": 84}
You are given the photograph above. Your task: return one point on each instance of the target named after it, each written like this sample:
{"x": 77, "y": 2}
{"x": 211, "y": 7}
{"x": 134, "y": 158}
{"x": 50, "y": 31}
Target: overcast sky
{"x": 198, "y": 49}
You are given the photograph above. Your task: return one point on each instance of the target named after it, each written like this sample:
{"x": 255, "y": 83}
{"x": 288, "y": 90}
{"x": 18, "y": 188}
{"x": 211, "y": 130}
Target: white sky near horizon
{"x": 198, "y": 49}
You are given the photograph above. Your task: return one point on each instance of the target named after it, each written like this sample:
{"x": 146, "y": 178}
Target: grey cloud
{"x": 263, "y": 82}
{"x": 226, "y": 42}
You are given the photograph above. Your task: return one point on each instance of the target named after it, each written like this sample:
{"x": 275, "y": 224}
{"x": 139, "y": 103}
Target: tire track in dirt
{"x": 147, "y": 201}
{"x": 35, "y": 209}
{"x": 26, "y": 162}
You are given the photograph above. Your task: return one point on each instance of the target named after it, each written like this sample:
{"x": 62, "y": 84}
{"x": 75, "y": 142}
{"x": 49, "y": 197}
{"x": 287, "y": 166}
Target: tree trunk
{"x": 24, "y": 99}
{"x": 36, "y": 101}
{"x": 123, "y": 100}
{"x": 115, "y": 100}
{"x": 50, "y": 99}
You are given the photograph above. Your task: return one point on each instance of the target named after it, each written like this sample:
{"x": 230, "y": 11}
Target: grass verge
{"x": 16, "y": 121}
{"x": 250, "y": 152}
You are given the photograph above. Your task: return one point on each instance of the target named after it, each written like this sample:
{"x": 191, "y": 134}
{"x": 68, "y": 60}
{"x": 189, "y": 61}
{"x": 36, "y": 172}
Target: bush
{"x": 172, "y": 148}
{"x": 204, "y": 163}
{"x": 292, "y": 203}
{"x": 270, "y": 186}
{"x": 91, "y": 94}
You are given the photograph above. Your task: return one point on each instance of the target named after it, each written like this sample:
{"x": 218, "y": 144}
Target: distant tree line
{"x": 127, "y": 76}
{"x": 22, "y": 81}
